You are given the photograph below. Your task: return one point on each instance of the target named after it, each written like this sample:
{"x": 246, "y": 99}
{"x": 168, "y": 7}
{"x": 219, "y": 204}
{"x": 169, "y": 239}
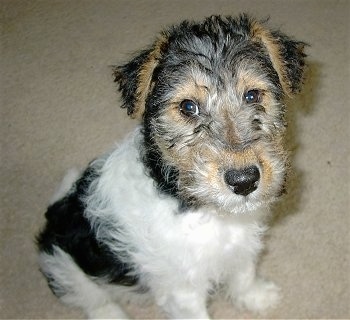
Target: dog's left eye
{"x": 252, "y": 96}
{"x": 189, "y": 108}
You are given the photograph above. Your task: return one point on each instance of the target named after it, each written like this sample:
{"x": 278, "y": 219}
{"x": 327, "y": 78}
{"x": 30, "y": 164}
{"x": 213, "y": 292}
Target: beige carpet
{"x": 59, "y": 109}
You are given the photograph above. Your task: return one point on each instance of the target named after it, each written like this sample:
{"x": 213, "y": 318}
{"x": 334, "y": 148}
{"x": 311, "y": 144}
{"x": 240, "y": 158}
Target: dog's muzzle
{"x": 244, "y": 181}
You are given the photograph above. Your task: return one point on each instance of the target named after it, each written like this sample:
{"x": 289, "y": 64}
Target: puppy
{"x": 178, "y": 209}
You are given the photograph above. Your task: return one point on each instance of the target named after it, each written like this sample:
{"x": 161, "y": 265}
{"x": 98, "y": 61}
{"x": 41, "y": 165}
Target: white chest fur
{"x": 135, "y": 219}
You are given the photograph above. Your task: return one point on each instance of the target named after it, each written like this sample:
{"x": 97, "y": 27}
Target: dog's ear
{"x": 287, "y": 56}
{"x": 135, "y": 77}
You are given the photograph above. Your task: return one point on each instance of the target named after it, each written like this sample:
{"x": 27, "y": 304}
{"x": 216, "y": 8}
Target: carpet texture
{"x": 59, "y": 109}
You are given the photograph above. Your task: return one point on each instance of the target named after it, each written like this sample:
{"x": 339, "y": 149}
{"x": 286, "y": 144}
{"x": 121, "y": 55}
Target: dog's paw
{"x": 260, "y": 296}
{"x": 108, "y": 311}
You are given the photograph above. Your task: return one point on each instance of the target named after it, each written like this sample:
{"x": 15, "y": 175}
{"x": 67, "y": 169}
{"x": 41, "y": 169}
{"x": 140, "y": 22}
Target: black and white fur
{"x": 160, "y": 213}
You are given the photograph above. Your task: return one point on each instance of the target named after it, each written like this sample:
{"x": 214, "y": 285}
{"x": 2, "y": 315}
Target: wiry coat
{"x": 178, "y": 209}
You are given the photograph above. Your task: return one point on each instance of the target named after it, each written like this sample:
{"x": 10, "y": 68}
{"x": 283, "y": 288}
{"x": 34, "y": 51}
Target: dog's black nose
{"x": 243, "y": 181}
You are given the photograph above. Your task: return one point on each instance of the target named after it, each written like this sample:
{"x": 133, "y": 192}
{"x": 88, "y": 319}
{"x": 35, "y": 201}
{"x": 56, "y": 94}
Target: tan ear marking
{"x": 264, "y": 36}
{"x": 144, "y": 77}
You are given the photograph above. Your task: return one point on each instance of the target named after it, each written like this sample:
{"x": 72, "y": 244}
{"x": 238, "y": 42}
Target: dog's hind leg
{"x": 75, "y": 288}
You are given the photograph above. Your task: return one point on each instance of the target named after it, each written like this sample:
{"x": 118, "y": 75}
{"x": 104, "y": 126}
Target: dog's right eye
{"x": 189, "y": 108}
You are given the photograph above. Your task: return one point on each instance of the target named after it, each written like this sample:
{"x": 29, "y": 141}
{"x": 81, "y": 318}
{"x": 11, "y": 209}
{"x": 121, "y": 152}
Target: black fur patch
{"x": 165, "y": 176}
{"x": 68, "y": 229}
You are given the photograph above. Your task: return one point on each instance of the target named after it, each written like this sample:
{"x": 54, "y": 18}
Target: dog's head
{"x": 210, "y": 97}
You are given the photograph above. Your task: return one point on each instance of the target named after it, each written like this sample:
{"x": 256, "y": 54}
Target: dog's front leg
{"x": 182, "y": 303}
{"x": 248, "y": 290}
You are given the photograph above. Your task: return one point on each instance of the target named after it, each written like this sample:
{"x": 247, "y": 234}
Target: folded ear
{"x": 287, "y": 56}
{"x": 135, "y": 77}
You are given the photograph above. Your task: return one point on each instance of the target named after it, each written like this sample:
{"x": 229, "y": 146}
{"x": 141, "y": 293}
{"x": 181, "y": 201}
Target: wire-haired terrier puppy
{"x": 178, "y": 209}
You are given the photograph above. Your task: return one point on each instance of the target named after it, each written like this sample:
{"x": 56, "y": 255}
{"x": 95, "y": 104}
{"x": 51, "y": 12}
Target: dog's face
{"x": 210, "y": 96}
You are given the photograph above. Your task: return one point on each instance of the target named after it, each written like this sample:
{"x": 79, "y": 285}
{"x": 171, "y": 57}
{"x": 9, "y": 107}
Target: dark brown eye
{"x": 252, "y": 96}
{"x": 189, "y": 108}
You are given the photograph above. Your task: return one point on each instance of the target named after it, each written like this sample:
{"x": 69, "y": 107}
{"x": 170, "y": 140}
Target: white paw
{"x": 260, "y": 296}
{"x": 108, "y": 311}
